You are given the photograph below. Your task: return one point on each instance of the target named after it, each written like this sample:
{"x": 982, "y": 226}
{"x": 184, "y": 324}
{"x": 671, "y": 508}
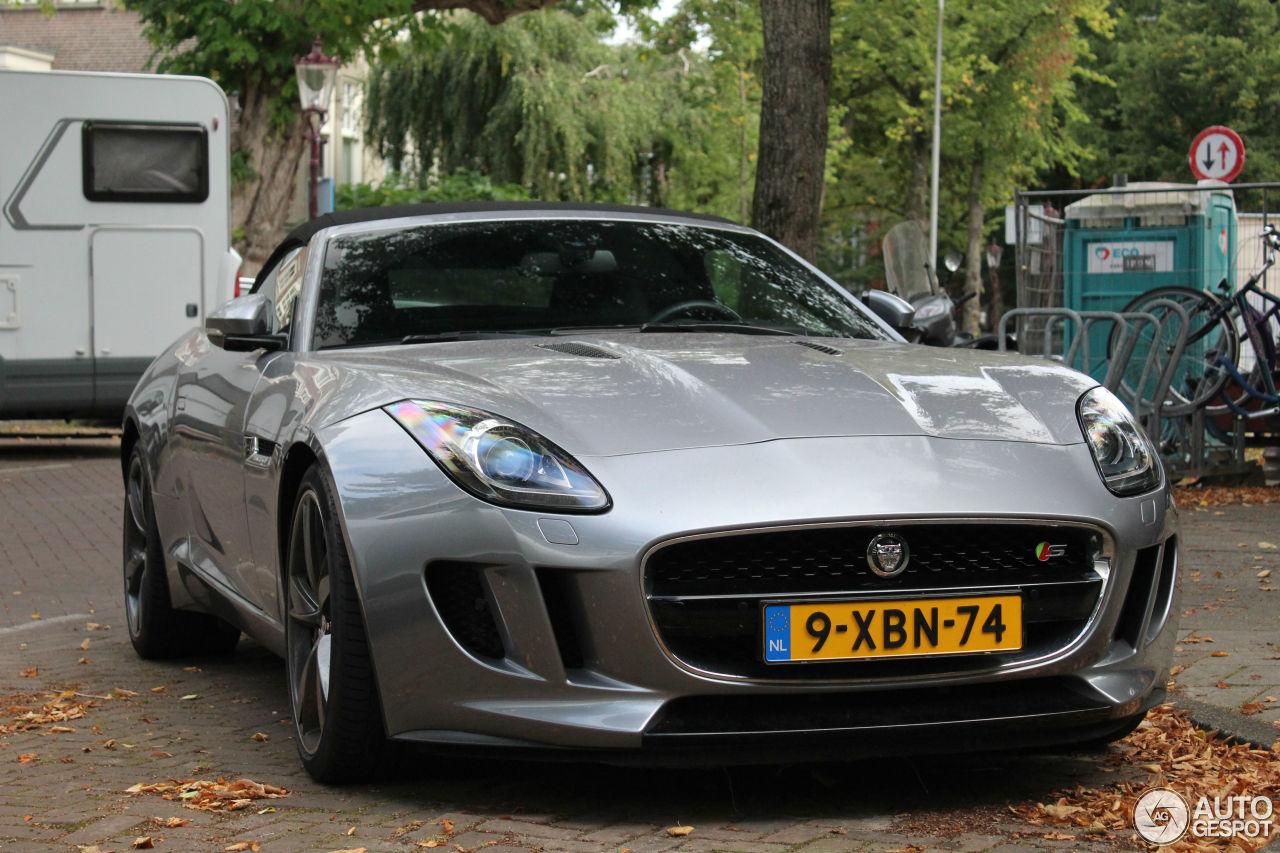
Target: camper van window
{"x": 145, "y": 162}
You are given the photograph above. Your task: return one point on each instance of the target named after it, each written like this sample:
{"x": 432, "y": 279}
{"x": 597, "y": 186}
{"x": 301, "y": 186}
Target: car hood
{"x": 614, "y": 394}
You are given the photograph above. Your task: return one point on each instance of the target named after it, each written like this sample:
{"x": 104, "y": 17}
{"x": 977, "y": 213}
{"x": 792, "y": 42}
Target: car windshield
{"x": 547, "y": 276}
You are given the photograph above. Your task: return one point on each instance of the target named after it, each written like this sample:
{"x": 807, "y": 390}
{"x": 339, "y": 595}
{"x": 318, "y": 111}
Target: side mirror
{"x": 894, "y": 310}
{"x": 243, "y": 324}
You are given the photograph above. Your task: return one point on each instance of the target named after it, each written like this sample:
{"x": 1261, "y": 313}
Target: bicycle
{"x": 1228, "y": 341}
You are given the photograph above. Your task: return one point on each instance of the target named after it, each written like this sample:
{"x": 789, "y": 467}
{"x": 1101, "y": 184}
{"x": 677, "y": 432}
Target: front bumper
{"x": 491, "y": 626}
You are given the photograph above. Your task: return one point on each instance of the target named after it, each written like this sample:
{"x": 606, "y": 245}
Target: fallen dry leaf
{"x": 159, "y": 689}
{"x": 349, "y": 850}
{"x": 61, "y": 729}
{"x": 190, "y": 697}
{"x": 1221, "y": 685}
{"x": 145, "y": 843}
{"x": 679, "y": 831}
{"x": 1265, "y": 573}
{"x": 27, "y": 758}
{"x": 260, "y": 737}
{"x": 29, "y": 673}
{"x": 448, "y": 826}
{"x": 94, "y": 626}
{"x": 240, "y": 846}
{"x": 84, "y": 647}
{"x": 210, "y": 796}
{"x": 1220, "y": 655}
{"x": 1269, "y": 546}
{"x": 1192, "y": 762}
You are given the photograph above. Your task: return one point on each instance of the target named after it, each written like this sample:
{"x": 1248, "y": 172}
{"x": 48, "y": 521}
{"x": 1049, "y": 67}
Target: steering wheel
{"x": 690, "y": 304}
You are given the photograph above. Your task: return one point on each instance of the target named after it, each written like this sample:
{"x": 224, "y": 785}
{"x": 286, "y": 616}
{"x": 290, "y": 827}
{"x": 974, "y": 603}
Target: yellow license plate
{"x": 842, "y": 630}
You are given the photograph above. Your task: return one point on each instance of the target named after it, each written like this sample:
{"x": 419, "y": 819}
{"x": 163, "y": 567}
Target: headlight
{"x": 500, "y": 461}
{"x": 1126, "y": 460}
{"x": 932, "y": 308}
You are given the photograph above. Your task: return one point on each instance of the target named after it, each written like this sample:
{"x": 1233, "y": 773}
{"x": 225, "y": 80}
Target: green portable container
{"x": 1126, "y": 241}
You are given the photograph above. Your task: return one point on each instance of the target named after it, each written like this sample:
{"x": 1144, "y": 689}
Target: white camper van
{"x": 115, "y": 235}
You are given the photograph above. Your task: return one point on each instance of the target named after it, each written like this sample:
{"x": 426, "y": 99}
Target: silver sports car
{"x": 630, "y": 484}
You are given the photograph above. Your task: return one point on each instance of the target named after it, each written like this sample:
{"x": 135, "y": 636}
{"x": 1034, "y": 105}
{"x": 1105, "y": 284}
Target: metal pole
{"x": 937, "y": 144}
{"x": 313, "y": 133}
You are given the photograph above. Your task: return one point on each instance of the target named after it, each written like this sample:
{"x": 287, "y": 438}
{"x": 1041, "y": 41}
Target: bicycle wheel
{"x": 1199, "y": 373}
{"x": 1256, "y": 361}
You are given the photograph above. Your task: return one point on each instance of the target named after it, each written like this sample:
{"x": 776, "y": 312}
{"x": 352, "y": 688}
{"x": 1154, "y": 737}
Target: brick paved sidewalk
{"x": 59, "y": 548}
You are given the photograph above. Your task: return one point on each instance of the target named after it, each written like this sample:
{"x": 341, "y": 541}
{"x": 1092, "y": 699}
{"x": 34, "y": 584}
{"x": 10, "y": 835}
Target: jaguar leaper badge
{"x": 887, "y": 555}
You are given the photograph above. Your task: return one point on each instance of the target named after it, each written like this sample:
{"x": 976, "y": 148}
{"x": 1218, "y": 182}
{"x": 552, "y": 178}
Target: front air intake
{"x": 461, "y": 596}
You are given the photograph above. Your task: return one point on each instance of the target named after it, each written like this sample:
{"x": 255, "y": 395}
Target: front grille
{"x": 835, "y": 559}
{"x": 705, "y": 595}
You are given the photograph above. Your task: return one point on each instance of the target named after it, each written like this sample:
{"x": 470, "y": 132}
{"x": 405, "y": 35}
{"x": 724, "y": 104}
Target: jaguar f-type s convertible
{"x": 627, "y": 484}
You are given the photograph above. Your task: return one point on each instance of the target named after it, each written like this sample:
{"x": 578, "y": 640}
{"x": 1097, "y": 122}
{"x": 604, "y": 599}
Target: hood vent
{"x": 580, "y": 349}
{"x": 819, "y": 347}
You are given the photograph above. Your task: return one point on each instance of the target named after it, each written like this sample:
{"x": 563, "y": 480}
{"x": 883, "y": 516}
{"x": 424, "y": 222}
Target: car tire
{"x": 156, "y": 629}
{"x": 332, "y": 691}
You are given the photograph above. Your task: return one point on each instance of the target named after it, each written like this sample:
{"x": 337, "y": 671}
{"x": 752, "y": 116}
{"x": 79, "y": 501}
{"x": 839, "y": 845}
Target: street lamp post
{"x": 937, "y": 143}
{"x": 316, "y": 76}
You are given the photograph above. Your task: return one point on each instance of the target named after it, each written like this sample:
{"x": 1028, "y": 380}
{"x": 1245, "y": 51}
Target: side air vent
{"x": 819, "y": 347}
{"x": 580, "y": 349}
{"x": 460, "y": 594}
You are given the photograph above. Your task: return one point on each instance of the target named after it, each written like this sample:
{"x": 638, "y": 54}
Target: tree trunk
{"x": 260, "y": 204}
{"x": 796, "y": 85}
{"x": 972, "y": 316}
{"x": 918, "y": 183}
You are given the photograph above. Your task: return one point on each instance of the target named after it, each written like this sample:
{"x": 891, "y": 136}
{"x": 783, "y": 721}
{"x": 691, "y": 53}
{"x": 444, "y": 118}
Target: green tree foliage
{"x": 705, "y": 153}
{"x": 1010, "y": 70}
{"x": 1179, "y": 67}
{"x": 541, "y": 102}
{"x": 394, "y": 189}
{"x": 544, "y": 103}
{"x": 249, "y": 46}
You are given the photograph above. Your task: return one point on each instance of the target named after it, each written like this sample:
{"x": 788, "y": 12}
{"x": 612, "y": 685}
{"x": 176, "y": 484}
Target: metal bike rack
{"x": 1076, "y": 342}
{"x": 1183, "y": 438}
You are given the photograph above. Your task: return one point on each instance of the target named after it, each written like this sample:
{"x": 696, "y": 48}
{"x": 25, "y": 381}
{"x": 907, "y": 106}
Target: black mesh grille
{"x": 835, "y": 559}
{"x": 705, "y": 595}
{"x": 829, "y": 350}
{"x": 458, "y": 592}
{"x": 580, "y": 349}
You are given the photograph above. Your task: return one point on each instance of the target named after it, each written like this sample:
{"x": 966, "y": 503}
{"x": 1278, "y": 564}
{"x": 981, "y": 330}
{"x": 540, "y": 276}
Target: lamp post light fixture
{"x": 316, "y": 76}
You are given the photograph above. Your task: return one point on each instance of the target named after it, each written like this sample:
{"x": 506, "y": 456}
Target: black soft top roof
{"x": 302, "y": 234}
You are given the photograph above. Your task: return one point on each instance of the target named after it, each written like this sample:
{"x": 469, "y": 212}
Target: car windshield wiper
{"x": 738, "y": 328}
{"x": 459, "y": 335}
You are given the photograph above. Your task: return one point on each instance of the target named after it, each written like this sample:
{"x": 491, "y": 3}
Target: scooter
{"x": 909, "y": 275}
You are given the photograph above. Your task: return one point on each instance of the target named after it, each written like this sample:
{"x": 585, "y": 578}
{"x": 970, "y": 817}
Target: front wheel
{"x": 334, "y": 698}
{"x": 1200, "y": 371}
